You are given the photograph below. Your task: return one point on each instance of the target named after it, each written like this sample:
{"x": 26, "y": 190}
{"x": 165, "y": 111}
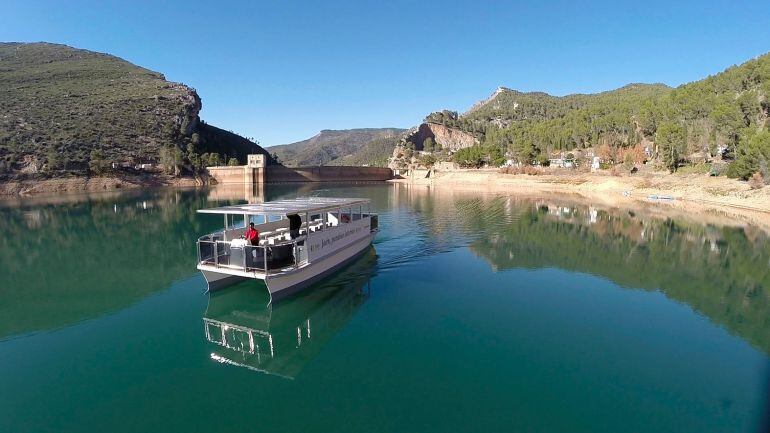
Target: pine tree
{"x": 670, "y": 139}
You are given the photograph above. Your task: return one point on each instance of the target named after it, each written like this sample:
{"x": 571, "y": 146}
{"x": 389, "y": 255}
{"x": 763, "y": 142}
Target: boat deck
{"x": 294, "y": 235}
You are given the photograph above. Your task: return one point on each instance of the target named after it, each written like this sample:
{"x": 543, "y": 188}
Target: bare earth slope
{"x": 690, "y": 192}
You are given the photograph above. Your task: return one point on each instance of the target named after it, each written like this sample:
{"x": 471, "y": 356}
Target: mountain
{"x": 724, "y": 115}
{"x": 505, "y": 106}
{"x": 364, "y": 146}
{"x": 62, "y": 108}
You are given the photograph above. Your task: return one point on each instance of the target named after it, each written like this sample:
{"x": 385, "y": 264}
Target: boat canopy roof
{"x": 288, "y": 206}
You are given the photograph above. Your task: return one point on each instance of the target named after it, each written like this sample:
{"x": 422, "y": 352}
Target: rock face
{"x": 188, "y": 120}
{"x": 450, "y": 139}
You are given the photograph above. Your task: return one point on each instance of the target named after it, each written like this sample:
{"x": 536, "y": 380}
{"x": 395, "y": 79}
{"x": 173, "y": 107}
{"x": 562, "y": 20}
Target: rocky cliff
{"x": 449, "y": 139}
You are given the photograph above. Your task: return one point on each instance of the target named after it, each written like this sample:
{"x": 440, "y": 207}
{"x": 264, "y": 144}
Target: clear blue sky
{"x": 280, "y": 71}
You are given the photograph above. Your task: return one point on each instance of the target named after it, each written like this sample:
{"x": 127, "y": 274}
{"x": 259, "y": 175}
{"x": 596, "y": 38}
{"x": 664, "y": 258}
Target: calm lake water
{"x": 472, "y": 312}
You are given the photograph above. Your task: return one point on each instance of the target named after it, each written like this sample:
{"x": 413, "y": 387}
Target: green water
{"x": 472, "y": 312}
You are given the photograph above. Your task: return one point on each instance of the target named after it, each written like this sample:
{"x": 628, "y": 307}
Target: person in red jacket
{"x": 252, "y": 235}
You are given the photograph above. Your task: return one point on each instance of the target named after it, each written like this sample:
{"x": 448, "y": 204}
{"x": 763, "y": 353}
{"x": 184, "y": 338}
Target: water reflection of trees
{"x": 721, "y": 271}
{"x": 65, "y": 262}
{"x": 72, "y": 257}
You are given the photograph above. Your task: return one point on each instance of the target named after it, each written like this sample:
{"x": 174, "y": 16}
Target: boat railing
{"x": 239, "y": 338}
{"x": 250, "y": 258}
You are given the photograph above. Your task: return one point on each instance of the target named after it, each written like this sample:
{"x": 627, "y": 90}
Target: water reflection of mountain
{"x": 720, "y": 268}
{"x": 66, "y": 261}
{"x": 72, "y": 257}
{"x": 722, "y": 272}
{"x": 282, "y": 338}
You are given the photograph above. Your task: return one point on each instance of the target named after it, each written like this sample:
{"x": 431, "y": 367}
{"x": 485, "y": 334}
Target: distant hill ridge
{"x": 504, "y": 102}
{"x": 61, "y": 107}
{"x": 501, "y": 94}
{"x": 362, "y": 146}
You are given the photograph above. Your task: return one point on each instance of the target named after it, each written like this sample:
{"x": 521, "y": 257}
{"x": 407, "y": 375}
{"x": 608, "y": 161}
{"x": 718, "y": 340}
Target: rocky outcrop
{"x": 491, "y": 98}
{"x": 450, "y": 139}
{"x": 191, "y": 106}
{"x": 400, "y": 160}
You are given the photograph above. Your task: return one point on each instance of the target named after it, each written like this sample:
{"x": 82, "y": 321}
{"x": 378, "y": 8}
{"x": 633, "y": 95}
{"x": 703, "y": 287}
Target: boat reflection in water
{"x": 280, "y": 338}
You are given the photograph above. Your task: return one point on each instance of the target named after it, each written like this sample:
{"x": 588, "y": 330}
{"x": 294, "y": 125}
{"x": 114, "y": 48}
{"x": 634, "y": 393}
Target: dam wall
{"x": 279, "y": 174}
{"x": 237, "y": 174}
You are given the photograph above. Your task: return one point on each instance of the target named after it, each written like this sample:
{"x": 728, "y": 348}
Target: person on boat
{"x": 252, "y": 235}
{"x": 295, "y": 222}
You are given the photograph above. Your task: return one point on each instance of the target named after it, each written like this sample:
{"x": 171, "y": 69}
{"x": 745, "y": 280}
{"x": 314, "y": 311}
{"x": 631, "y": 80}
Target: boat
{"x": 660, "y": 197}
{"x": 281, "y": 339}
{"x": 301, "y": 241}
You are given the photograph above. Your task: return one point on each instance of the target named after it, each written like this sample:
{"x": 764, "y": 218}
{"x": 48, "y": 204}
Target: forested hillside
{"x": 374, "y": 153}
{"x": 365, "y": 146}
{"x": 724, "y": 114}
{"x": 65, "y": 110}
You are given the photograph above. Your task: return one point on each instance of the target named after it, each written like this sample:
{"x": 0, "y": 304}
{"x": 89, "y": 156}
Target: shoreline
{"x": 83, "y": 184}
{"x": 689, "y": 193}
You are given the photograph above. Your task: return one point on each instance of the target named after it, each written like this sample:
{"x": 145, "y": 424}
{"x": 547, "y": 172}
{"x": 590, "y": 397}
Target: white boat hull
{"x": 218, "y": 280}
{"x": 292, "y": 281}
{"x": 283, "y": 285}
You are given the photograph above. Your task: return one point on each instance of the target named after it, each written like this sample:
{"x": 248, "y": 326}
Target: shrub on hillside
{"x": 718, "y": 169}
{"x": 479, "y": 155}
{"x": 427, "y": 160}
{"x": 96, "y": 162}
{"x": 526, "y": 169}
{"x": 671, "y": 138}
{"x": 701, "y": 168}
{"x": 756, "y": 181}
{"x": 751, "y": 157}
{"x": 469, "y": 157}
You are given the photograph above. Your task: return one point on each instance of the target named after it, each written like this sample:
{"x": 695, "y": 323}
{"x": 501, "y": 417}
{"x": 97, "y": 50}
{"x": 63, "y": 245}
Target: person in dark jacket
{"x": 295, "y": 222}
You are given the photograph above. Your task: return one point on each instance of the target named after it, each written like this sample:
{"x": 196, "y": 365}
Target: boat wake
{"x": 414, "y": 234}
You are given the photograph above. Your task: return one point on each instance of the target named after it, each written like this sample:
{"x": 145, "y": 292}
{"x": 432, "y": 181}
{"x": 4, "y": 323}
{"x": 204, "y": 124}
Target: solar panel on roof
{"x": 288, "y": 206}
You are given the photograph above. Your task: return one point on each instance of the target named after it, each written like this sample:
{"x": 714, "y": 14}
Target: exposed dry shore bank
{"x": 90, "y": 184}
{"x": 690, "y": 193}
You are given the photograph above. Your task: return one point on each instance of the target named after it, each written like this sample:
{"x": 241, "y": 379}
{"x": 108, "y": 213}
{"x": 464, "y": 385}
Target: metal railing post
{"x": 265, "y": 262}
{"x": 216, "y": 254}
